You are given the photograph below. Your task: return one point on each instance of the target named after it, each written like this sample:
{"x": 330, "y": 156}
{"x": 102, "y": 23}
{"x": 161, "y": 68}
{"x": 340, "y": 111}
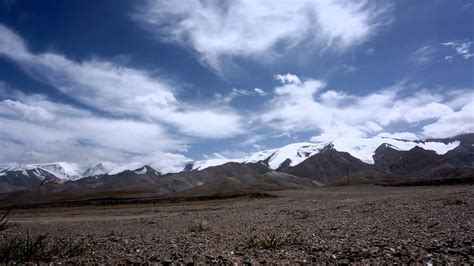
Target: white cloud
{"x": 452, "y": 124}
{"x": 74, "y": 135}
{"x": 399, "y": 135}
{"x": 248, "y": 28}
{"x": 449, "y": 58}
{"x": 29, "y": 112}
{"x": 205, "y": 123}
{"x": 463, "y": 49}
{"x": 423, "y": 55}
{"x": 164, "y": 162}
{"x": 259, "y": 91}
{"x": 288, "y": 78}
{"x": 120, "y": 90}
{"x": 237, "y": 93}
{"x": 425, "y": 112}
{"x": 305, "y": 107}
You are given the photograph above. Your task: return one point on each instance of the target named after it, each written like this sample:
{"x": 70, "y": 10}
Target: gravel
{"x": 367, "y": 224}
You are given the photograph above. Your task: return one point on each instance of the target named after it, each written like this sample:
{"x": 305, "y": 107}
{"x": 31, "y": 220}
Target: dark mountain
{"x": 392, "y": 166}
{"x": 328, "y": 166}
{"x": 19, "y": 180}
{"x": 146, "y": 182}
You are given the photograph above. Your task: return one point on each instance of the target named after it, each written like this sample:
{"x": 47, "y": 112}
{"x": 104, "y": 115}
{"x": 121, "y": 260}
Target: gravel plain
{"x": 367, "y": 224}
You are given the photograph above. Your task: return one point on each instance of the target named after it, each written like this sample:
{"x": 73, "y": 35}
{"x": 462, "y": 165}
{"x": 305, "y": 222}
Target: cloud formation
{"x": 307, "y": 106}
{"x": 216, "y": 29}
{"x": 120, "y": 90}
{"x": 62, "y": 132}
{"x": 423, "y": 55}
{"x": 463, "y": 50}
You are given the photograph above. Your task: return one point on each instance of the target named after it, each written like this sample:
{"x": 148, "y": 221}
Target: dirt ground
{"x": 336, "y": 225}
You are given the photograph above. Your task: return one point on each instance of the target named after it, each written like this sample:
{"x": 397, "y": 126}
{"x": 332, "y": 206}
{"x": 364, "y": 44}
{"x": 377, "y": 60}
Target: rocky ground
{"x": 338, "y": 225}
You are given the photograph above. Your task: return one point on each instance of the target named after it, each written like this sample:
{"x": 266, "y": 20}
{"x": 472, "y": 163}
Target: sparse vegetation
{"x": 39, "y": 249}
{"x": 4, "y": 220}
{"x": 16, "y": 250}
{"x": 36, "y": 249}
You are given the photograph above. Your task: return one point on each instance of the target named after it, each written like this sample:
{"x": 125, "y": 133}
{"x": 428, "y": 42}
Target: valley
{"x": 368, "y": 224}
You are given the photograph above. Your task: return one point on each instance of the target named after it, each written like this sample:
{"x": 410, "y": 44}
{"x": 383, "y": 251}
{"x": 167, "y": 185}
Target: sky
{"x": 107, "y": 80}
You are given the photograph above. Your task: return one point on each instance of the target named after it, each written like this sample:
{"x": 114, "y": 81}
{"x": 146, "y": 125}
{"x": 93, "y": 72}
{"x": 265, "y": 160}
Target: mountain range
{"x": 343, "y": 161}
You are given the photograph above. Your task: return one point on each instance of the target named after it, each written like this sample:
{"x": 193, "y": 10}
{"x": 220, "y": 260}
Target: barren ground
{"x": 338, "y": 224}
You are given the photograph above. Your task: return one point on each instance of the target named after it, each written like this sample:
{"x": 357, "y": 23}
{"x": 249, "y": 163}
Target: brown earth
{"x": 335, "y": 224}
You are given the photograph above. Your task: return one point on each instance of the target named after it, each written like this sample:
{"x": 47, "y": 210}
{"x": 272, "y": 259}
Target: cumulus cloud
{"x": 452, "y": 124}
{"x": 429, "y": 111}
{"x": 288, "y": 78}
{"x": 215, "y": 29}
{"x": 308, "y": 106}
{"x": 120, "y": 90}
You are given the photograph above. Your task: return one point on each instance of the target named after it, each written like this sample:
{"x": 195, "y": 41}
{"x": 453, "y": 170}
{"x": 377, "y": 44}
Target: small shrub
{"x": 4, "y": 220}
{"x": 18, "y": 250}
{"x": 15, "y": 250}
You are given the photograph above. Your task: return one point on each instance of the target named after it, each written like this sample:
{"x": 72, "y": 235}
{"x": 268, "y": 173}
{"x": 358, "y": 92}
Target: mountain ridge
{"x": 343, "y": 161}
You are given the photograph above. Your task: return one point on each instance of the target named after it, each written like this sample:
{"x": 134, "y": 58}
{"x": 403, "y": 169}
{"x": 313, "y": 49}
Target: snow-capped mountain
{"x": 364, "y": 148}
{"x": 62, "y": 170}
{"x": 273, "y": 158}
{"x": 287, "y": 156}
{"x": 342, "y": 161}
{"x": 99, "y": 169}
{"x": 360, "y": 148}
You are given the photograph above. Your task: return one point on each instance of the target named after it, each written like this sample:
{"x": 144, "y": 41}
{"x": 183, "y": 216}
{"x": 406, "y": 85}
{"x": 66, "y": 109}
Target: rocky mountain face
{"x": 340, "y": 162}
{"x": 23, "y": 179}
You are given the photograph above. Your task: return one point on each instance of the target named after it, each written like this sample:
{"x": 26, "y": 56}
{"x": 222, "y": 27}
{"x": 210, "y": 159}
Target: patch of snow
{"x": 99, "y": 169}
{"x": 260, "y": 156}
{"x": 62, "y": 170}
{"x": 296, "y": 152}
{"x": 364, "y": 148}
{"x": 129, "y": 166}
{"x": 166, "y": 166}
{"x": 142, "y": 172}
{"x": 3, "y": 174}
{"x": 37, "y": 174}
{"x": 17, "y": 167}
{"x": 201, "y": 165}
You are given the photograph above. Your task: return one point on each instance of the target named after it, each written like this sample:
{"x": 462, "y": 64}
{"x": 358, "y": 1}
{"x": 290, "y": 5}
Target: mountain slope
{"x": 146, "y": 182}
{"x": 344, "y": 161}
{"x": 389, "y": 164}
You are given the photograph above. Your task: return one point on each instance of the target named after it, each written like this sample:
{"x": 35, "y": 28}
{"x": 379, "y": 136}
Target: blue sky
{"x": 89, "y": 81}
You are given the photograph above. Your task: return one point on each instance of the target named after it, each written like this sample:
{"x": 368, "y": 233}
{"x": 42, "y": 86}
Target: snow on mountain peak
{"x": 62, "y": 170}
{"x": 296, "y": 152}
{"x": 203, "y": 164}
{"x": 364, "y": 148}
{"x": 361, "y": 148}
{"x": 100, "y": 169}
{"x": 129, "y": 166}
